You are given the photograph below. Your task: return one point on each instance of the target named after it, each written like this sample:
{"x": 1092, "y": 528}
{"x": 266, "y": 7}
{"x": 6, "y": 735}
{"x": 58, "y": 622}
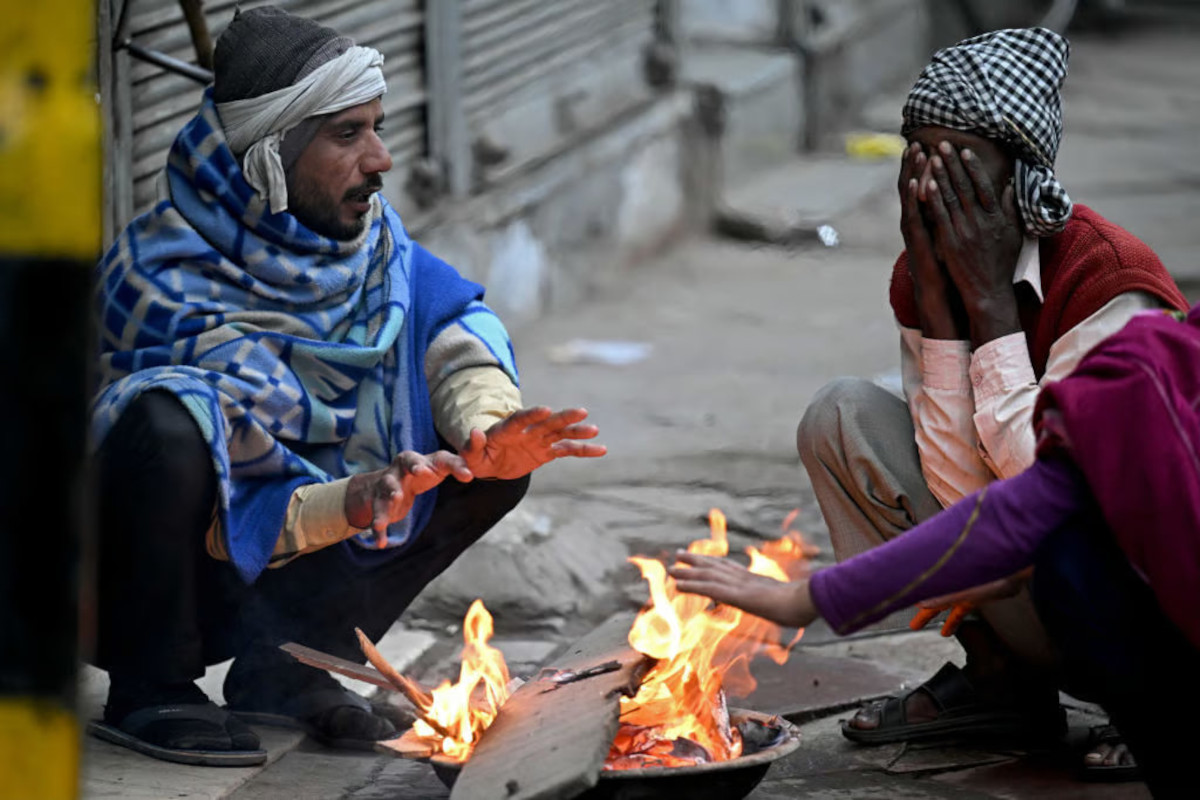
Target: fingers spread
{"x": 964, "y": 189}
{"x": 476, "y": 442}
{"x": 922, "y": 618}
{"x": 447, "y": 463}
{"x": 522, "y": 419}
{"x": 917, "y": 237}
{"x": 408, "y": 462}
{"x": 943, "y": 227}
{"x": 716, "y": 591}
{"x": 1009, "y": 204}
{"x": 570, "y": 449}
{"x": 561, "y": 420}
{"x": 577, "y": 431}
{"x": 957, "y": 614}
{"x": 984, "y": 190}
{"x": 941, "y": 189}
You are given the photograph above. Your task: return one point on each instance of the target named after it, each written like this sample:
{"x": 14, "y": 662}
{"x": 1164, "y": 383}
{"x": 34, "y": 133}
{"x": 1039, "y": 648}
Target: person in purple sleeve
{"x": 1104, "y": 527}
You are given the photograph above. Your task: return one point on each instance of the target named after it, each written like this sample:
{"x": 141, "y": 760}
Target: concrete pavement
{"x": 741, "y": 337}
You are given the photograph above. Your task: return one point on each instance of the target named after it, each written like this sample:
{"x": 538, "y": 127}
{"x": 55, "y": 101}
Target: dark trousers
{"x": 1120, "y": 651}
{"x": 166, "y": 609}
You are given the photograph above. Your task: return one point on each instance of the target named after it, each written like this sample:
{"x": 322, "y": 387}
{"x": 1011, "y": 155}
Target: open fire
{"x": 678, "y": 716}
{"x": 466, "y": 708}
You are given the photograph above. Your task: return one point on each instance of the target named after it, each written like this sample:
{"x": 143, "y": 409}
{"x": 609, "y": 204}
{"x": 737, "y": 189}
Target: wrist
{"x": 935, "y": 313}
{"x": 357, "y": 506}
{"x": 992, "y": 316}
{"x": 803, "y": 607}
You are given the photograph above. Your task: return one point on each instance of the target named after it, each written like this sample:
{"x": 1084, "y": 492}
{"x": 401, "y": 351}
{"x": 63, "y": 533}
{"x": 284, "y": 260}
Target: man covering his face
{"x": 1004, "y": 285}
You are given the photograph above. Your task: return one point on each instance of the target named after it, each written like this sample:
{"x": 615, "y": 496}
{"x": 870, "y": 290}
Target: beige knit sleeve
{"x": 475, "y": 397}
{"x": 315, "y": 518}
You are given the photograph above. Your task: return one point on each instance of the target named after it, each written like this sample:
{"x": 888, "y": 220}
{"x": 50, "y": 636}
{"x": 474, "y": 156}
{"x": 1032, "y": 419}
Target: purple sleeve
{"x": 984, "y": 537}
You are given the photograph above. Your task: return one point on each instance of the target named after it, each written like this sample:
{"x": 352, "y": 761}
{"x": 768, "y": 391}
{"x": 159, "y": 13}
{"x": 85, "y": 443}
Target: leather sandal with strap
{"x": 132, "y": 729}
{"x": 962, "y": 715}
{"x": 305, "y": 712}
{"x": 1108, "y": 773}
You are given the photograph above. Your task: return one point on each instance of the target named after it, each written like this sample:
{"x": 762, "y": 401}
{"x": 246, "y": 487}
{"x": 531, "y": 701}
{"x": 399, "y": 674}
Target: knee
{"x": 507, "y": 494}
{"x": 821, "y": 425}
{"x": 156, "y": 432}
{"x": 488, "y": 501}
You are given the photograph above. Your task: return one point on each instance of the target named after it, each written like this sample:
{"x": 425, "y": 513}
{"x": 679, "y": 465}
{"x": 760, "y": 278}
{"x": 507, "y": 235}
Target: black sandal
{"x": 129, "y": 732}
{"x": 299, "y": 712}
{"x": 961, "y": 716}
{"x": 1108, "y": 773}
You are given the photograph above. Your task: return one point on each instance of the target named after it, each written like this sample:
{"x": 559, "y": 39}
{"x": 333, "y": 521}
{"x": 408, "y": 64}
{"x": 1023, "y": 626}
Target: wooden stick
{"x": 421, "y": 701}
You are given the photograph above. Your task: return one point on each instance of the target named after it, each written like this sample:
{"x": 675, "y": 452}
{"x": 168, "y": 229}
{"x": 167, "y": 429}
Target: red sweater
{"x": 1083, "y": 268}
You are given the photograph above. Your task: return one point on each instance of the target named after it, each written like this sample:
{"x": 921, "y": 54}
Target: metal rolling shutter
{"x": 163, "y": 101}
{"x": 536, "y": 73}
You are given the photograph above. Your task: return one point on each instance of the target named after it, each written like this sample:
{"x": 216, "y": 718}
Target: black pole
{"x": 49, "y": 240}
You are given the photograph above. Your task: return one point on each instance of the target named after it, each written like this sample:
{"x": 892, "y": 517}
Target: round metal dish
{"x": 720, "y": 780}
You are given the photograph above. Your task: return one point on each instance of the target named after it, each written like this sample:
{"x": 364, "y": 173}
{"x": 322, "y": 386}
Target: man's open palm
{"x": 516, "y": 446}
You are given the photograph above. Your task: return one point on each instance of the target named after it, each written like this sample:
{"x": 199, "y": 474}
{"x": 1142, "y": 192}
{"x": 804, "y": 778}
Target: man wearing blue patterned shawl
{"x": 303, "y": 416}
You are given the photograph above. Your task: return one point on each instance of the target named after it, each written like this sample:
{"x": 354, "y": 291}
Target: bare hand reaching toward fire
{"x": 377, "y": 499}
{"x": 725, "y": 581}
{"x": 529, "y": 438}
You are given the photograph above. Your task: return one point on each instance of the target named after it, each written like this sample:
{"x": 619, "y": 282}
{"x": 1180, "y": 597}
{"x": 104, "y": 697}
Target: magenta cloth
{"x": 1128, "y": 417}
{"x": 984, "y": 537}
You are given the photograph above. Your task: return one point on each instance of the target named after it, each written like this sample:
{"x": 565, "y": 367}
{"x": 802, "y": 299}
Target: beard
{"x": 311, "y": 204}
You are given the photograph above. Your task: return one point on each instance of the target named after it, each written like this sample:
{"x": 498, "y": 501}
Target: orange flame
{"x": 702, "y": 650}
{"x": 468, "y": 707}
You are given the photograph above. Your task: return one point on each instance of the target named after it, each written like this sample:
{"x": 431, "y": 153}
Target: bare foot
{"x": 1109, "y": 754}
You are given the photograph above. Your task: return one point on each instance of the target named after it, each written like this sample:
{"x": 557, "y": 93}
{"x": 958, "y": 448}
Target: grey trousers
{"x": 858, "y": 444}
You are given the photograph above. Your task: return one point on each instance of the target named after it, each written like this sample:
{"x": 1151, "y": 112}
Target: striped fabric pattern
{"x": 301, "y": 358}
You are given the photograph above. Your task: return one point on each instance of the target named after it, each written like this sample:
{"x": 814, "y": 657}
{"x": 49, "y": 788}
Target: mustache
{"x": 370, "y": 186}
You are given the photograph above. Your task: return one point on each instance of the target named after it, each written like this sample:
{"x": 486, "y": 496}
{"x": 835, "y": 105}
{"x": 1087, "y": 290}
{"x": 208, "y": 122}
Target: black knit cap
{"x": 267, "y": 49}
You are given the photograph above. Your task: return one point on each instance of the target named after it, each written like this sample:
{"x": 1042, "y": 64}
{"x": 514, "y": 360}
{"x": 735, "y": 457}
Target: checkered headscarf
{"x": 1004, "y": 86}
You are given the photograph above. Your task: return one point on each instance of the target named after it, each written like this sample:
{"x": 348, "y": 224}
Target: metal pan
{"x": 721, "y": 780}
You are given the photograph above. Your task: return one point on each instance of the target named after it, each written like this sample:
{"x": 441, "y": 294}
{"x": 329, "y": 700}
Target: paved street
{"x": 740, "y": 338}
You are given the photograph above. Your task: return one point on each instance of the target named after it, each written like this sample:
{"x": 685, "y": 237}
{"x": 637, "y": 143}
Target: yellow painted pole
{"x": 50, "y": 202}
{"x": 49, "y": 130}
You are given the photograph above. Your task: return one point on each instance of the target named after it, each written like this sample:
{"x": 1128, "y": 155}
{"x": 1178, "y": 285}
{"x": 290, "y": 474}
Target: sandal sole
{"x": 202, "y": 758}
{"x": 974, "y": 728}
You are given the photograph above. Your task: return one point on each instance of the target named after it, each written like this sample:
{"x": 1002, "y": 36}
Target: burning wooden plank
{"x": 634, "y": 700}
{"x": 552, "y": 736}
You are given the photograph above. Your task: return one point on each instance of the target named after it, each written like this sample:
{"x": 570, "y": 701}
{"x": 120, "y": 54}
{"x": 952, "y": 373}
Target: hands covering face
{"x": 961, "y": 234}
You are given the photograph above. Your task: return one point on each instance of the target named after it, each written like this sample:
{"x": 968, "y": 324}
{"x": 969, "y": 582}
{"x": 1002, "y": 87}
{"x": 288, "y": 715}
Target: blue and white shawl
{"x": 277, "y": 340}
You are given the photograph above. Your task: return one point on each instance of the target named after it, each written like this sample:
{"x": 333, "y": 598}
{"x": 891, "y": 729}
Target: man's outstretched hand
{"x": 725, "y": 581}
{"x": 377, "y": 499}
{"x": 516, "y": 446}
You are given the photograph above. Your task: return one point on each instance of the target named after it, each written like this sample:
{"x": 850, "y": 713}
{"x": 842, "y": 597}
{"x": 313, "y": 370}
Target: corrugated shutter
{"x": 536, "y": 73}
{"x": 162, "y": 101}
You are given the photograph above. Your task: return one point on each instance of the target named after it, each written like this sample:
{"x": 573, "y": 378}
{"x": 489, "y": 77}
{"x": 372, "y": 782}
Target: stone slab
{"x": 1024, "y": 780}
{"x": 312, "y": 771}
{"x": 828, "y": 766}
{"x": 544, "y": 561}
{"x": 810, "y": 684}
{"x": 116, "y": 773}
{"x": 811, "y": 190}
